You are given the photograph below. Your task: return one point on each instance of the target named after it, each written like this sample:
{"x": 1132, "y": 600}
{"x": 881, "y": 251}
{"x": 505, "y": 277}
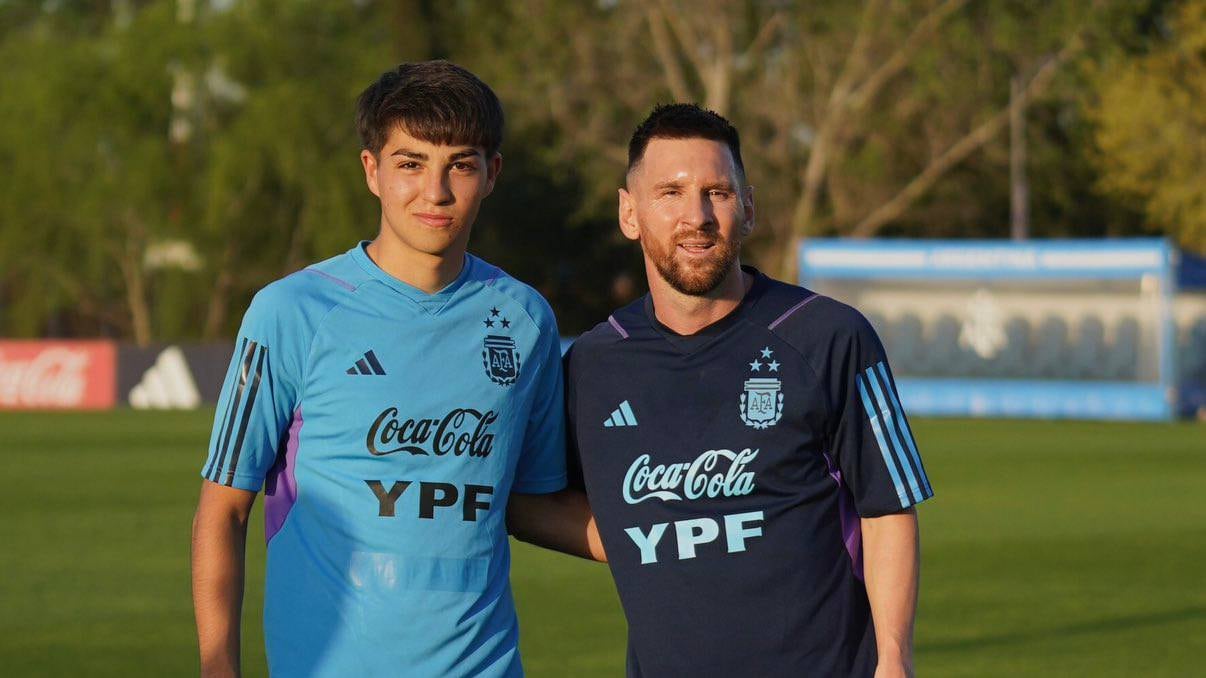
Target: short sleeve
{"x": 871, "y": 440}
{"x": 541, "y": 466}
{"x": 259, "y": 397}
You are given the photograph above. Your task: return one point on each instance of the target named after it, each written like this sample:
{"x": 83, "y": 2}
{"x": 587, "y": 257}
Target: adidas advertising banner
{"x": 171, "y": 376}
{"x": 55, "y": 375}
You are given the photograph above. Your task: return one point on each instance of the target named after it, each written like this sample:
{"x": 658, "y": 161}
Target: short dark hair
{"x": 436, "y": 101}
{"x": 684, "y": 121}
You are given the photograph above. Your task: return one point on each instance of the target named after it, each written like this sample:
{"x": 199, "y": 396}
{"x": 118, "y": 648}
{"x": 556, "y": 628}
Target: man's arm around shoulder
{"x": 561, "y": 521}
{"x": 218, "y": 563}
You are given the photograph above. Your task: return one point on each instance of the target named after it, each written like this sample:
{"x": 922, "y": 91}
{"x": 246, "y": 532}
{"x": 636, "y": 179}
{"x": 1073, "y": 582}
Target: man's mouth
{"x": 696, "y": 247}
{"x": 434, "y": 220}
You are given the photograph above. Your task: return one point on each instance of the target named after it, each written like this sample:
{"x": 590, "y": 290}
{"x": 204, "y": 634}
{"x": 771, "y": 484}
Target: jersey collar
{"x": 688, "y": 343}
{"x": 429, "y": 302}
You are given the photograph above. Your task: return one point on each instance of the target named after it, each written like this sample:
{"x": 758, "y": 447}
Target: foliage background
{"x": 163, "y": 159}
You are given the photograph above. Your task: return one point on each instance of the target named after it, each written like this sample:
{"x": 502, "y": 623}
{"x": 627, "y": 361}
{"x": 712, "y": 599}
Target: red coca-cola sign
{"x": 40, "y": 375}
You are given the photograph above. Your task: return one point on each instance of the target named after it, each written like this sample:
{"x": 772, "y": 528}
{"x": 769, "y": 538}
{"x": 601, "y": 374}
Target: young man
{"x": 390, "y": 400}
{"x": 741, "y": 442}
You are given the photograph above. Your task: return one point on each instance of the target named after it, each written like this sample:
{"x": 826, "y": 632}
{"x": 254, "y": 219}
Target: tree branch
{"x": 922, "y": 32}
{"x": 219, "y": 296}
{"x": 765, "y": 34}
{"x": 961, "y": 149}
{"x": 719, "y": 82}
{"x": 131, "y": 266}
{"x": 665, "y": 55}
{"x": 685, "y": 35}
{"x": 857, "y": 57}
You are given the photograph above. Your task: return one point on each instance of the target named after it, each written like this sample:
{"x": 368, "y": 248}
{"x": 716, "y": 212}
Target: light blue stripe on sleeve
{"x": 897, "y": 449}
{"x": 883, "y": 444}
{"x": 904, "y": 428}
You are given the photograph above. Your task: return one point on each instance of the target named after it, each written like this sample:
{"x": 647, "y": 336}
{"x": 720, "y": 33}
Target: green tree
{"x": 852, "y": 112}
{"x": 170, "y": 157}
{"x": 166, "y": 158}
{"x": 92, "y": 182}
{"x": 1151, "y": 128}
{"x": 279, "y": 182}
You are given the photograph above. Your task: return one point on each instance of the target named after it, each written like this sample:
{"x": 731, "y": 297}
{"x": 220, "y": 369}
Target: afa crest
{"x": 499, "y": 357}
{"x": 761, "y": 403}
{"x": 762, "y": 398}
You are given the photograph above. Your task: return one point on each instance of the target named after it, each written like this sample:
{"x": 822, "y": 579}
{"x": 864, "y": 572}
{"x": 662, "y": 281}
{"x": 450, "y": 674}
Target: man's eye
{"x": 464, "y": 166}
{"x": 719, "y": 194}
{"x": 409, "y": 165}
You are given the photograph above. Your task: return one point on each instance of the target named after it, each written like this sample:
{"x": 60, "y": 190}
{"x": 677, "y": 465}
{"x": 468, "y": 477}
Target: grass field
{"x": 1051, "y": 549}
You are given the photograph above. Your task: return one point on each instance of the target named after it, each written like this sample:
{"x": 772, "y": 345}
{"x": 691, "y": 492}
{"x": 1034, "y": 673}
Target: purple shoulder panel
{"x": 342, "y": 283}
{"x": 792, "y": 310}
{"x": 618, "y": 327}
{"x": 280, "y": 491}
{"x": 852, "y": 533}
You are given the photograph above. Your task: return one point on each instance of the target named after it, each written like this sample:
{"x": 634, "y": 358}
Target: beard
{"x": 698, "y": 277}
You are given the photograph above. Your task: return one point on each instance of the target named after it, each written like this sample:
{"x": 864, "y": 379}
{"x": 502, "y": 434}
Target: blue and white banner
{"x": 984, "y": 259}
{"x": 1034, "y": 399}
{"x": 976, "y": 266}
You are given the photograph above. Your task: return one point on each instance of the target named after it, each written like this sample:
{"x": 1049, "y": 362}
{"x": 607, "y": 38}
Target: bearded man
{"x": 741, "y": 442}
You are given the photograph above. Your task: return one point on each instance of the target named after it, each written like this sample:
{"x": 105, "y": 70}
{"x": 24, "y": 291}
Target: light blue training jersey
{"x": 388, "y": 428}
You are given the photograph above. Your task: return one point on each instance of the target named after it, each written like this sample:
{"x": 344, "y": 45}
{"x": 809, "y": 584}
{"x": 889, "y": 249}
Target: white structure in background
{"x": 983, "y": 328}
{"x": 173, "y": 254}
{"x": 1041, "y": 328}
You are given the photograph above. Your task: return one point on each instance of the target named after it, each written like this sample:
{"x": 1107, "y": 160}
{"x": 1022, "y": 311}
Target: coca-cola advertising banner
{"x": 43, "y": 375}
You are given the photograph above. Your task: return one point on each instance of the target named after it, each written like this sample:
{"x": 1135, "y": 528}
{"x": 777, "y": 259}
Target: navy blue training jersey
{"x": 728, "y": 470}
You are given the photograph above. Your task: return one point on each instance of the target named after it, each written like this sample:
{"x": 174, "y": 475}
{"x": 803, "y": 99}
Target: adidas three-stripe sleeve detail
{"x": 878, "y": 428}
{"x": 251, "y": 394}
{"x": 242, "y": 412}
{"x": 885, "y": 415}
{"x": 234, "y": 407}
{"x": 260, "y": 393}
{"x": 872, "y": 443}
{"x": 906, "y": 432}
{"x": 228, "y": 397}
{"x": 898, "y": 453}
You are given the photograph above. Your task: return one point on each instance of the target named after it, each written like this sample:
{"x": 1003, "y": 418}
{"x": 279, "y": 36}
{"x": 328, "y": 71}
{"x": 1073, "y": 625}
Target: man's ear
{"x": 747, "y": 201}
{"x": 369, "y": 160}
{"x": 627, "y": 213}
{"x": 493, "y": 169}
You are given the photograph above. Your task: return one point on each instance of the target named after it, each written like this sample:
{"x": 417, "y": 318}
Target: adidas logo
{"x": 621, "y": 416}
{"x": 367, "y": 365}
{"x": 166, "y": 385}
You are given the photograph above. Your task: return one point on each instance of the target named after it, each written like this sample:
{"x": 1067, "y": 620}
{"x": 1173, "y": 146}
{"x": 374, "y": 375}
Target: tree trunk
{"x": 676, "y": 82}
{"x": 887, "y": 212}
{"x": 806, "y": 207}
{"x": 136, "y": 292}
{"x": 219, "y": 297}
{"x": 855, "y": 89}
{"x": 1019, "y": 187}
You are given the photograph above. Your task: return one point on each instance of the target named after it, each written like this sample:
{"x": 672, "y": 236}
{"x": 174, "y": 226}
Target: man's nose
{"x": 698, "y": 212}
{"x": 436, "y": 189}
